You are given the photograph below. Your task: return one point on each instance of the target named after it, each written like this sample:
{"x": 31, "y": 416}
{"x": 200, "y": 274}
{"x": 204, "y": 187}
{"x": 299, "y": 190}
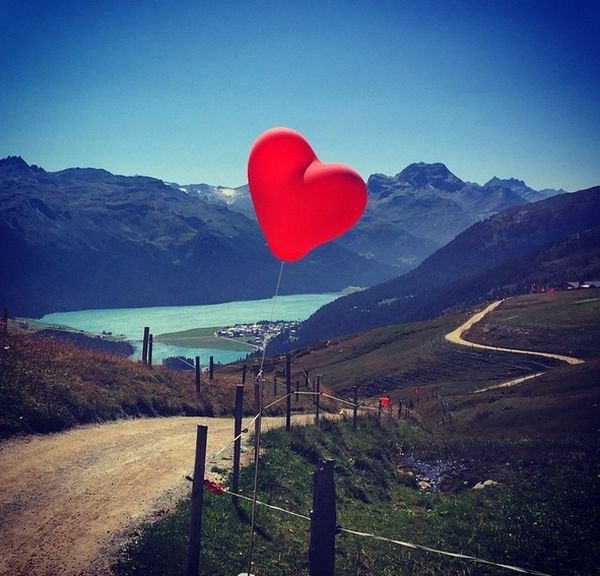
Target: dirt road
{"x": 456, "y": 338}
{"x": 68, "y": 501}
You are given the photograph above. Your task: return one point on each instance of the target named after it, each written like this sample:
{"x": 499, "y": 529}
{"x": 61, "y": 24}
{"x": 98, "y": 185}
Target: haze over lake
{"x": 130, "y": 322}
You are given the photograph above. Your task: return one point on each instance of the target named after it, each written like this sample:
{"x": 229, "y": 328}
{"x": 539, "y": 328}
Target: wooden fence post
{"x": 323, "y": 524}
{"x": 297, "y": 390}
{"x": 193, "y": 565}
{"x": 257, "y": 411}
{"x": 379, "y": 411}
{"x": 306, "y": 378}
{"x": 145, "y": 345}
{"x": 288, "y": 391}
{"x": 237, "y": 430}
{"x": 355, "y": 407}
{"x": 150, "y": 343}
{"x": 211, "y": 368}
{"x": 244, "y": 370}
{"x": 197, "y": 367}
{"x": 5, "y": 321}
{"x": 318, "y": 397}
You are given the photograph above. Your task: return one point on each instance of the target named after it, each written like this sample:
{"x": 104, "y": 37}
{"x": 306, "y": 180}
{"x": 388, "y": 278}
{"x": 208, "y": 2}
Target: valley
{"x": 171, "y": 244}
{"x": 190, "y": 330}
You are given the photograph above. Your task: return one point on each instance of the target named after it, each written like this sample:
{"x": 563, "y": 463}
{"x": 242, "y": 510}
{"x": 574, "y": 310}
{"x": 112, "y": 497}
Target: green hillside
{"x": 398, "y": 359}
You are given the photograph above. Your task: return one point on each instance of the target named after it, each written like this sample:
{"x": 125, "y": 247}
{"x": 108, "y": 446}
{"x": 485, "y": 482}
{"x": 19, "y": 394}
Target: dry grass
{"x": 48, "y": 385}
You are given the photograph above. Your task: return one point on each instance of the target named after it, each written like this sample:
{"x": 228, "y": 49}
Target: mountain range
{"x": 86, "y": 238}
{"x": 550, "y": 241}
{"x": 409, "y": 215}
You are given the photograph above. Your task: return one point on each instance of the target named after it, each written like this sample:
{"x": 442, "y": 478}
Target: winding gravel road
{"x": 456, "y": 338}
{"x": 68, "y": 501}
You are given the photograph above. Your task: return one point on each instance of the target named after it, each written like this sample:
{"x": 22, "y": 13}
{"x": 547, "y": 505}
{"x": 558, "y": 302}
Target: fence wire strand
{"x": 398, "y": 542}
{"x": 444, "y": 552}
{"x": 271, "y": 506}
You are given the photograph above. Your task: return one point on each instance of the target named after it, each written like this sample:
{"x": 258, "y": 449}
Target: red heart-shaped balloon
{"x": 300, "y": 202}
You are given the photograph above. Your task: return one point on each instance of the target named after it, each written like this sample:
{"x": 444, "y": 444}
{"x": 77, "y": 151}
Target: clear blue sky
{"x": 180, "y": 90}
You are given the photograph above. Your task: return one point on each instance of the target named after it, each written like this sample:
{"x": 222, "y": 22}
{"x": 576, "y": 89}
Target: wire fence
{"x": 354, "y": 532}
{"x": 318, "y": 394}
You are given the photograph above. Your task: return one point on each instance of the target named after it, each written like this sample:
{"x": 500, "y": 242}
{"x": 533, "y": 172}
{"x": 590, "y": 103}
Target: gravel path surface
{"x": 456, "y": 337}
{"x": 68, "y": 501}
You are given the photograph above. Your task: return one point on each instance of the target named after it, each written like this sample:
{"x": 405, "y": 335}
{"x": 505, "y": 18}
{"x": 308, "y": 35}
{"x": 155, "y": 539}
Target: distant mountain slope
{"x": 551, "y": 240}
{"x": 520, "y": 188}
{"x": 85, "y": 238}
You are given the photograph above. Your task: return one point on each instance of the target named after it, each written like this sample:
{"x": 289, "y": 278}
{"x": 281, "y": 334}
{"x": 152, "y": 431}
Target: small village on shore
{"x": 256, "y": 333}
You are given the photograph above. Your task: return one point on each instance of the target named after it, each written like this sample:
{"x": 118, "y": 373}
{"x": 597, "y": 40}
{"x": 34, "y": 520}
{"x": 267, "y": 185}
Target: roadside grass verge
{"x": 542, "y": 514}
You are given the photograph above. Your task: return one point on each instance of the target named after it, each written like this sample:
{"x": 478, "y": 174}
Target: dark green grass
{"x": 563, "y": 401}
{"x": 542, "y": 515}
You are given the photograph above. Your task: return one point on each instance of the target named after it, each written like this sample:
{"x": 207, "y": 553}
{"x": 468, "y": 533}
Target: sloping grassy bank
{"x": 47, "y": 385}
{"x": 542, "y": 513}
{"x": 398, "y": 359}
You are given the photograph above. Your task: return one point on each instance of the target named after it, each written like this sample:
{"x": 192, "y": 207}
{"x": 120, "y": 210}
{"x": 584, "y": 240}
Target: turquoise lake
{"x": 130, "y": 322}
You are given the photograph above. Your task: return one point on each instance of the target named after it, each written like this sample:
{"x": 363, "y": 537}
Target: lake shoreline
{"x": 129, "y": 323}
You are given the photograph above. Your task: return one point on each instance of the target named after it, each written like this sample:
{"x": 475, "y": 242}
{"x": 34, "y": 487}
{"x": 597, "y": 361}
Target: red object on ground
{"x": 214, "y": 487}
{"x": 385, "y": 401}
{"x": 300, "y": 202}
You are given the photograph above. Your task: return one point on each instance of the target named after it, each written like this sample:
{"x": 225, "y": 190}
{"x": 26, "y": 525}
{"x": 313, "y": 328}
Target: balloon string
{"x": 259, "y": 423}
{"x": 266, "y": 337}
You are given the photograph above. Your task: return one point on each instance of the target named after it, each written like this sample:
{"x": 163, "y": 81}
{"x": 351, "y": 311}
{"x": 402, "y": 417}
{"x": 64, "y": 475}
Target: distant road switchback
{"x": 456, "y": 338}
